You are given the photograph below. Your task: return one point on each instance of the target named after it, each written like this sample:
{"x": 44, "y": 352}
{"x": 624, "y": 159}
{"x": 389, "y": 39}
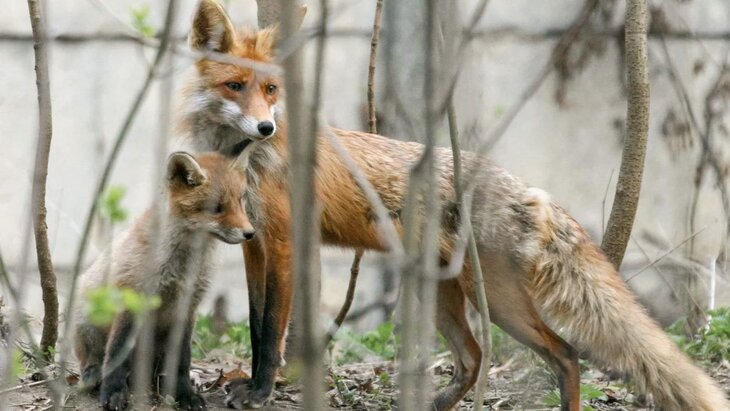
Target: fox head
{"x": 206, "y": 194}
{"x": 244, "y": 99}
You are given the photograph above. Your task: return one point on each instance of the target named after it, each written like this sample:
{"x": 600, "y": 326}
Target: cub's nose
{"x": 266, "y": 128}
{"x": 248, "y": 234}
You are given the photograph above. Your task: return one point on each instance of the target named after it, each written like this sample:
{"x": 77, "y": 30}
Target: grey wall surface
{"x": 570, "y": 150}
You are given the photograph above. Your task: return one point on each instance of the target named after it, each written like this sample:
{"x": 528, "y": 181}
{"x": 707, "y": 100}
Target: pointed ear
{"x": 182, "y": 168}
{"x": 212, "y": 29}
{"x": 267, "y": 38}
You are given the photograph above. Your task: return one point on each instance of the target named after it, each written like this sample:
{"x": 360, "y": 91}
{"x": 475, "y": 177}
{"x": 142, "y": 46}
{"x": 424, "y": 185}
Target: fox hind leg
{"x": 452, "y": 323}
{"x": 511, "y": 308}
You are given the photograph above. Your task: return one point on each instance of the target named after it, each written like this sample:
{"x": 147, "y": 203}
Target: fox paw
{"x": 115, "y": 400}
{"x": 190, "y": 401}
{"x": 90, "y": 378}
{"x": 242, "y": 395}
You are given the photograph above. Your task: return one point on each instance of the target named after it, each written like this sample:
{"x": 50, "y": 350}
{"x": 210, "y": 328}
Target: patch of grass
{"x": 380, "y": 342}
{"x": 711, "y": 343}
{"x": 588, "y": 392}
{"x": 236, "y": 339}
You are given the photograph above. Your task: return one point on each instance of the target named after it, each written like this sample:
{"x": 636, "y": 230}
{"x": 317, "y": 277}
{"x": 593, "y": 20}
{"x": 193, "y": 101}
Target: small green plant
{"x": 588, "y": 392}
{"x": 140, "y": 20}
{"x": 110, "y": 204}
{"x": 385, "y": 379}
{"x": 236, "y": 338}
{"x": 18, "y": 366}
{"x": 712, "y": 342}
{"x": 345, "y": 393}
{"x": 380, "y": 342}
{"x": 107, "y": 302}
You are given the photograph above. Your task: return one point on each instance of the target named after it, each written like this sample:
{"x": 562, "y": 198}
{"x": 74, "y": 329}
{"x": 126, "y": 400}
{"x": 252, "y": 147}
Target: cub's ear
{"x": 182, "y": 168}
{"x": 212, "y": 29}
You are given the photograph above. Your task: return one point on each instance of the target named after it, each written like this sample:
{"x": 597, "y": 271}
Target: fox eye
{"x": 271, "y": 89}
{"x": 234, "y": 85}
{"x": 218, "y": 209}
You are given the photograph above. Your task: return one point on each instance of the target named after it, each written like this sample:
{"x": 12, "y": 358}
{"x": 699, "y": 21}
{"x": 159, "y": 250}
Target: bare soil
{"x": 371, "y": 386}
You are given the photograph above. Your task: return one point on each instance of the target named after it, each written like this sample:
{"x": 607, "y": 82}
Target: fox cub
{"x": 203, "y": 202}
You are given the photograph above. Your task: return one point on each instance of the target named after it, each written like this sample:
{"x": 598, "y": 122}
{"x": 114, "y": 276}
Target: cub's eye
{"x": 218, "y": 209}
{"x": 234, "y": 85}
{"x": 271, "y": 89}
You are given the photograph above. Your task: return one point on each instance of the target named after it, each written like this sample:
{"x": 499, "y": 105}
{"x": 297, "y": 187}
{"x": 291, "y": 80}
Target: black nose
{"x": 266, "y": 128}
{"x": 248, "y": 234}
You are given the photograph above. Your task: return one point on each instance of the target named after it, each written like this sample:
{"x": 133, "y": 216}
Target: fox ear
{"x": 182, "y": 168}
{"x": 212, "y": 29}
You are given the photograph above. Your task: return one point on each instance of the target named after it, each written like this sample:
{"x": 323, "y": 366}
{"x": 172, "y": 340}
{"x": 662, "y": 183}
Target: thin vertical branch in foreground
{"x": 373, "y": 129}
{"x": 411, "y": 69}
{"x": 45, "y": 132}
{"x": 628, "y": 186}
{"x": 304, "y": 224}
{"x": 119, "y": 141}
{"x": 375, "y": 39}
{"x": 476, "y": 265}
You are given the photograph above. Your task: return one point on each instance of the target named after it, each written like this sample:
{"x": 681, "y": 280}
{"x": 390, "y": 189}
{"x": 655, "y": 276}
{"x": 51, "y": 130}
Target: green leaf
{"x": 107, "y": 302}
{"x": 552, "y": 398}
{"x": 103, "y": 305}
{"x": 18, "y": 367}
{"x": 140, "y": 20}
{"x": 590, "y": 392}
{"x": 110, "y": 204}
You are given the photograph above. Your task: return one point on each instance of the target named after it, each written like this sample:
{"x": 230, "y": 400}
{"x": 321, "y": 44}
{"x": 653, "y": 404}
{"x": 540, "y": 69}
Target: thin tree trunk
{"x": 411, "y": 71}
{"x": 302, "y": 123}
{"x": 628, "y": 186}
{"x": 45, "y": 132}
{"x": 476, "y": 265}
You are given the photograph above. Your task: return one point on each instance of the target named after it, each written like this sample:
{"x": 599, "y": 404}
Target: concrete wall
{"x": 571, "y": 150}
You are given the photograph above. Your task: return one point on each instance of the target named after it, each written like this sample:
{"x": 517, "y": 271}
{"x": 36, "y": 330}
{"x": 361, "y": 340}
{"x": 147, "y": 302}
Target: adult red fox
{"x": 539, "y": 263}
{"x": 204, "y": 204}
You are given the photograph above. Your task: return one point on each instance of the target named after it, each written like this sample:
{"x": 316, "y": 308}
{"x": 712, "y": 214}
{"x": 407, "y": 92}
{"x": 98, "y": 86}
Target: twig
{"x": 373, "y": 129}
{"x": 372, "y": 115}
{"x": 671, "y": 250}
{"x": 628, "y": 185}
{"x": 21, "y": 386}
{"x": 119, "y": 141}
{"x": 566, "y": 39}
{"x": 666, "y": 281}
{"x": 386, "y": 228}
{"x": 354, "y": 272}
{"x": 45, "y": 131}
{"x": 476, "y": 266}
{"x": 388, "y": 301}
{"x": 302, "y": 116}
{"x": 603, "y": 203}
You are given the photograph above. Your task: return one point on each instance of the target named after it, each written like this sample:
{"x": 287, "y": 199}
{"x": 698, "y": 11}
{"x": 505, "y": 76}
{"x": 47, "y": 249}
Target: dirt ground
{"x": 370, "y": 386}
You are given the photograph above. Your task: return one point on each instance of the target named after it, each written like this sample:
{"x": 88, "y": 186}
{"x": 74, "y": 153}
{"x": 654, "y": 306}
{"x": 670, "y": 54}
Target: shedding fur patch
{"x": 539, "y": 204}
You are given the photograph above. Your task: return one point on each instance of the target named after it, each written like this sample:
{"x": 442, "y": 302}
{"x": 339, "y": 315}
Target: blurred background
{"x": 560, "y": 73}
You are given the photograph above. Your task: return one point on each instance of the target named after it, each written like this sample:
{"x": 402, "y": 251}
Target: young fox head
{"x": 241, "y": 98}
{"x": 206, "y": 194}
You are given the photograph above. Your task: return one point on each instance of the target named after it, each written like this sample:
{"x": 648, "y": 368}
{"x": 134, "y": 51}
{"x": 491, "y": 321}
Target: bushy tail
{"x": 578, "y": 290}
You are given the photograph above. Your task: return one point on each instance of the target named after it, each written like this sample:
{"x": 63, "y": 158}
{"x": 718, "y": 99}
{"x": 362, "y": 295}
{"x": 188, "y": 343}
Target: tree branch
{"x": 628, "y": 186}
{"x": 373, "y": 129}
{"x": 45, "y": 131}
{"x": 118, "y": 143}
